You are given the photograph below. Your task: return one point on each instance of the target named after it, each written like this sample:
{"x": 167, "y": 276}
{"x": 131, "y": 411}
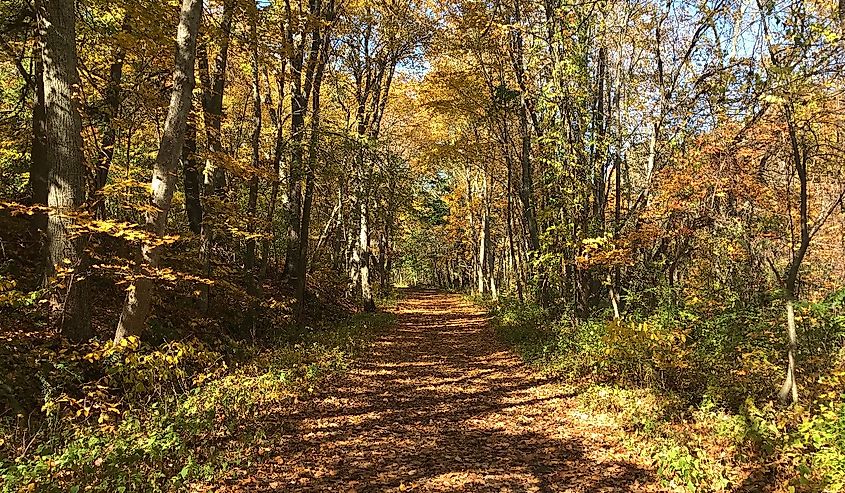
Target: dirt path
{"x": 439, "y": 405}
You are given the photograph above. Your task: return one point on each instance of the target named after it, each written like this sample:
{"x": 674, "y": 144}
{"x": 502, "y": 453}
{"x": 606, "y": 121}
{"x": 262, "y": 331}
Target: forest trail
{"x": 439, "y": 405}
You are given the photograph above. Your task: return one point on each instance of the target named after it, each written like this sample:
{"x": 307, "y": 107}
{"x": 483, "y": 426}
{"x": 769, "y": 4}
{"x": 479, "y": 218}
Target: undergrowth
{"x": 145, "y": 418}
{"x": 692, "y": 389}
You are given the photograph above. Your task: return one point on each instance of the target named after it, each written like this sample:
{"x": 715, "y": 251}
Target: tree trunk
{"x": 527, "y": 188}
{"x": 249, "y": 256}
{"x": 293, "y": 207}
{"x": 213, "y": 87}
{"x": 277, "y": 167}
{"x": 386, "y": 259}
{"x": 353, "y": 266}
{"x": 139, "y": 296}
{"x": 302, "y": 267}
{"x": 299, "y": 106}
{"x": 361, "y": 242}
{"x": 484, "y": 257}
{"x": 252, "y": 206}
{"x": 387, "y": 285}
{"x": 66, "y": 184}
{"x": 302, "y": 281}
{"x": 193, "y": 186}
{"x": 252, "y": 285}
{"x": 363, "y": 249}
{"x": 112, "y": 108}
{"x": 40, "y": 162}
{"x": 515, "y": 270}
{"x": 789, "y": 389}
{"x": 617, "y": 225}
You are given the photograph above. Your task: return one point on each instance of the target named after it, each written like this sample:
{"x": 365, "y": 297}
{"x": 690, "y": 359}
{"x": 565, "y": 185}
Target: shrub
{"x": 693, "y": 385}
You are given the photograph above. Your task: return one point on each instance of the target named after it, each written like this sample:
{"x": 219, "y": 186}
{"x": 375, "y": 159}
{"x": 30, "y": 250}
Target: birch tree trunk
{"x": 69, "y": 308}
{"x": 136, "y": 308}
{"x": 789, "y": 389}
{"x": 484, "y": 240}
{"x": 363, "y": 249}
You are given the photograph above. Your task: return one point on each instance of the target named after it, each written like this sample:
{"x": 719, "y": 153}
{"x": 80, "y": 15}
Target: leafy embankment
{"x": 693, "y": 392}
{"x": 138, "y": 418}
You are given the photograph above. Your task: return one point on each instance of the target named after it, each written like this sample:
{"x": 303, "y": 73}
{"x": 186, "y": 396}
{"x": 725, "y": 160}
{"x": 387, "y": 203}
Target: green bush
{"x": 824, "y": 434}
{"x": 693, "y": 382}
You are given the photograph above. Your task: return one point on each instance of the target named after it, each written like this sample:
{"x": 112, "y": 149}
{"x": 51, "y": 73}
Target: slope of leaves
{"x": 176, "y": 410}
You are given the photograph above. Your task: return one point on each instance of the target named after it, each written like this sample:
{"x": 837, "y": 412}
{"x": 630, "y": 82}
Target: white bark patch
{"x": 157, "y": 185}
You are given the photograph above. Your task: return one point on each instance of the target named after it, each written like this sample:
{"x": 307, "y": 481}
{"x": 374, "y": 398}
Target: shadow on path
{"x": 439, "y": 405}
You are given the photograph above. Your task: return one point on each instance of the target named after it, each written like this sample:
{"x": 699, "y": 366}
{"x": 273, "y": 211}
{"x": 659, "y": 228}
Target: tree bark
{"x": 109, "y": 115}
{"x": 484, "y": 273}
{"x": 278, "y": 152}
{"x": 516, "y": 271}
{"x": 322, "y": 40}
{"x": 249, "y": 257}
{"x": 139, "y": 296}
{"x": 253, "y": 288}
{"x": 193, "y": 186}
{"x": 213, "y": 87}
{"x": 299, "y": 106}
{"x": 66, "y": 184}
{"x": 40, "y": 162}
{"x": 363, "y": 248}
{"x": 527, "y": 188}
{"x": 789, "y": 389}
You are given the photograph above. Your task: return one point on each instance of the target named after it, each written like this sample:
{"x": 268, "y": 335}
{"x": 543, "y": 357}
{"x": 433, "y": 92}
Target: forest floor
{"x": 438, "y": 404}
